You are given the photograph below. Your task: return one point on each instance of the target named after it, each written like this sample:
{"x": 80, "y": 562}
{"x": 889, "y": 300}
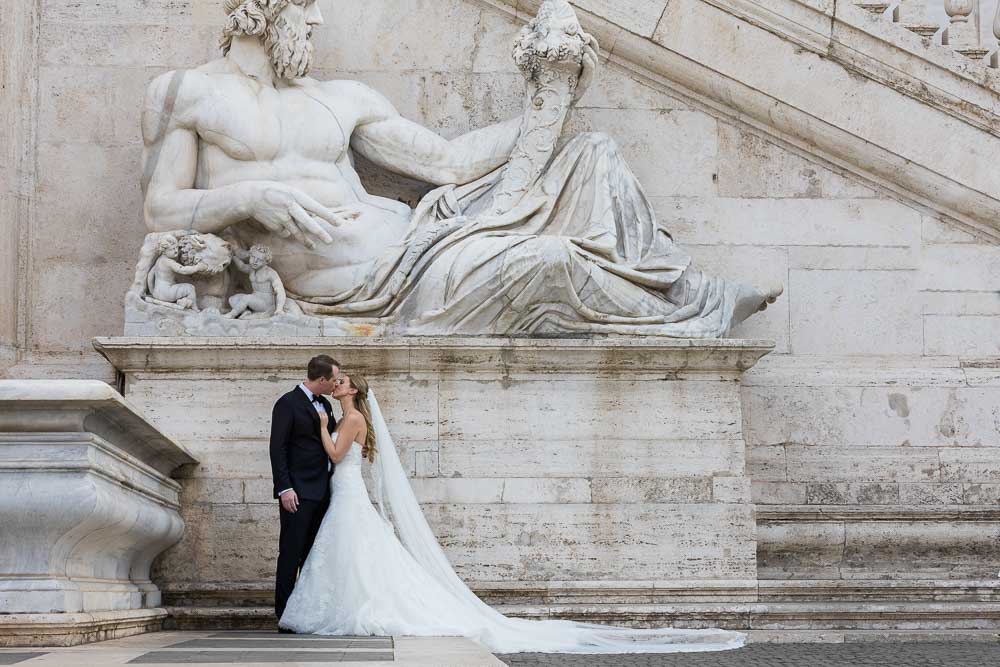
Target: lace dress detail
{"x": 359, "y": 580}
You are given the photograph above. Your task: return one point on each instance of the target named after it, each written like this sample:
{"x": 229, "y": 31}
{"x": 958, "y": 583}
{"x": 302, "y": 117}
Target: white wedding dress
{"x": 360, "y": 579}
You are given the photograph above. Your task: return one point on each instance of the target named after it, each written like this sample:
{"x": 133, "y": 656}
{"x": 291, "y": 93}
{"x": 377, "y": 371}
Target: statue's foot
{"x": 771, "y": 295}
{"x": 752, "y": 300}
{"x": 186, "y": 303}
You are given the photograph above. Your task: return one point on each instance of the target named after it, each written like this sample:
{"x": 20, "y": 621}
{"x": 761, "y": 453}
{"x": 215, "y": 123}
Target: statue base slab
{"x": 143, "y": 318}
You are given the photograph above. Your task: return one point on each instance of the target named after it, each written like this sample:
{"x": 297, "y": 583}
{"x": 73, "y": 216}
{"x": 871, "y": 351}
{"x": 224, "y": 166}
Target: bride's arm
{"x": 346, "y": 434}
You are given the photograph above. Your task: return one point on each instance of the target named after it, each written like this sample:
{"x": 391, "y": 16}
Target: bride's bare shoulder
{"x": 354, "y": 420}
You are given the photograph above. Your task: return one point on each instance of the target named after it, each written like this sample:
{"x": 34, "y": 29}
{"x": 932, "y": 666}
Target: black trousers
{"x": 298, "y": 532}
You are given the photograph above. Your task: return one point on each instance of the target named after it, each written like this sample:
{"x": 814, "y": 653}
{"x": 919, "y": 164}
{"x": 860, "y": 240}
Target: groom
{"x": 301, "y": 470}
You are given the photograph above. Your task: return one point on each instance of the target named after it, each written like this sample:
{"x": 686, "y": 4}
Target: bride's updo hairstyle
{"x": 361, "y": 403}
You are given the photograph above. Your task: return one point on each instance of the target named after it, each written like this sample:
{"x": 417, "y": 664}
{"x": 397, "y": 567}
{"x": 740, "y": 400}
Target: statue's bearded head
{"x": 283, "y": 26}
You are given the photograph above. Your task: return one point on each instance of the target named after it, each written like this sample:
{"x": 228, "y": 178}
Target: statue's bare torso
{"x": 297, "y": 134}
{"x": 231, "y": 145}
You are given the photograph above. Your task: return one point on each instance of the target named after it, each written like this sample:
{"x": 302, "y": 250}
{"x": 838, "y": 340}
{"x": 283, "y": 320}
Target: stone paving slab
{"x": 259, "y": 649}
{"x": 918, "y": 654}
{"x": 244, "y": 657}
{"x": 293, "y": 642}
{"x": 14, "y": 658}
{"x": 261, "y": 634}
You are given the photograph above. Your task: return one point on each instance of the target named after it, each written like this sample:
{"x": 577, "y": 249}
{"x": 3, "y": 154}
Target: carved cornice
{"x": 444, "y": 355}
{"x": 911, "y": 157}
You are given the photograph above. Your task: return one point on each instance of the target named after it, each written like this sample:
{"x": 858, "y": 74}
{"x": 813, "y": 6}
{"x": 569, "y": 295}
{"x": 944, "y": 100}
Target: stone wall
{"x": 535, "y": 472}
{"x": 873, "y": 430}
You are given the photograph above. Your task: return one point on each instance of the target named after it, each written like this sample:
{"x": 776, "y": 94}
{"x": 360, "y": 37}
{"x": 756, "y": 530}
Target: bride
{"x": 360, "y": 579}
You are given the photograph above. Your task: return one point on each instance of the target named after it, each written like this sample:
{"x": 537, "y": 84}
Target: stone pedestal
{"x": 558, "y": 474}
{"x": 86, "y": 504}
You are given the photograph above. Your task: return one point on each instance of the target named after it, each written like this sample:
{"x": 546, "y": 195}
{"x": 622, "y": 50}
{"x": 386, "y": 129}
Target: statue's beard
{"x": 289, "y": 47}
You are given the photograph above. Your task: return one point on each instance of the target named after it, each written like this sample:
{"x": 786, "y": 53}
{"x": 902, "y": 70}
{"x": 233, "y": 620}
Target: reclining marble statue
{"x": 525, "y": 233}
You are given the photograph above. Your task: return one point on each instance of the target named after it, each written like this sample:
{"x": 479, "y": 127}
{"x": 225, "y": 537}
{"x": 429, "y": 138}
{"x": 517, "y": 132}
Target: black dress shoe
{"x": 286, "y": 631}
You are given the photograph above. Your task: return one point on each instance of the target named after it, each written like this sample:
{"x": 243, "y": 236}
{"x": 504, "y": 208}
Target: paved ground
{"x": 915, "y": 654}
{"x": 258, "y": 649}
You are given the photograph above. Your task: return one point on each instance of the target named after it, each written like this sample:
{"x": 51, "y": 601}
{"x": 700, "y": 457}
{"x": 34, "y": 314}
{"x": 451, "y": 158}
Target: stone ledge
{"x": 20, "y": 630}
{"x": 220, "y": 618}
{"x": 247, "y": 595}
{"x": 439, "y": 355}
{"x": 878, "y": 590}
{"x": 821, "y": 513}
{"x": 774, "y": 621}
{"x": 87, "y": 406}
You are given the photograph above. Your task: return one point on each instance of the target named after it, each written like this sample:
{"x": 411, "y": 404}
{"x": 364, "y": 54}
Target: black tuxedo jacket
{"x": 298, "y": 459}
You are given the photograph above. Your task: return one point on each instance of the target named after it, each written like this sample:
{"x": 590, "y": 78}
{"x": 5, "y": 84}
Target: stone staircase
{"x": 904, "y": 105}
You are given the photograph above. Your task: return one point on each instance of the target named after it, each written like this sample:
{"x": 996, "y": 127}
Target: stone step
{"x": 778, "y": 621}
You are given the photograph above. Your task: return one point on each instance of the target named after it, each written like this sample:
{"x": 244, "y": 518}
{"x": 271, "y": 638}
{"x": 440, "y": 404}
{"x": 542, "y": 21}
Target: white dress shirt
{"x": 319, "y": 408}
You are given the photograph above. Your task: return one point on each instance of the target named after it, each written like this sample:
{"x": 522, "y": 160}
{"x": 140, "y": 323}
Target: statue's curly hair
{"x": 248, "y": 17}
{"x": 166, "y": 242}
{"x": 262, "y": 251}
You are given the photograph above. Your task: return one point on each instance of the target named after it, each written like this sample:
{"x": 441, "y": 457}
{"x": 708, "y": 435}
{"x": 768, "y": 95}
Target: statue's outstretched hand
{"x": 591, "y": 63}
{"x": 289, "y": 212}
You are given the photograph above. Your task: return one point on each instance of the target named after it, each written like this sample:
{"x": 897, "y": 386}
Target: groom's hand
{"x": 290, "y": 501}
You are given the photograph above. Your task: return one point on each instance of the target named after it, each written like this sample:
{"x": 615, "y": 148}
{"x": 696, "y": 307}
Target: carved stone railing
{"x": 963, "y": 32}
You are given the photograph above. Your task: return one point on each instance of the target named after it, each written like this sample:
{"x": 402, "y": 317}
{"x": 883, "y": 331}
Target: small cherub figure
{"x": 161, "y": 280}
{"x": 268, "y": 296}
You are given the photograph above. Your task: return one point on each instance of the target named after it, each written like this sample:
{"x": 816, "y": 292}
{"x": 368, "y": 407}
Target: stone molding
{"x": 488, "y": 356}
{"x": 837, "y": 621}
{"x": 821, "y": 513}
{"x": 674, "y": 56}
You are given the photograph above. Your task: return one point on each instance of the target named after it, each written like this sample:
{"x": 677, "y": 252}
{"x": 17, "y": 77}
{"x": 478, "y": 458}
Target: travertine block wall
{"x": 878, "y": 399}
{"x": 532, "y": 468}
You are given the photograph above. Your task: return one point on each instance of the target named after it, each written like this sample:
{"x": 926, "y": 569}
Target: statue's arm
{"x": 151, "y": 279}
{"x": 182, "y": 270}
{"x": 280, "y": 297}
{"x": 170, "y": 157}
{"x": 404, "y": 147}
{"x": 240, "y": 264}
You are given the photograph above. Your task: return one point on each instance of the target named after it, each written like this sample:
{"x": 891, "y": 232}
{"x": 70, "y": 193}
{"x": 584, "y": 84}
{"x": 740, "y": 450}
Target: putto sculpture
{"x": 268, "y": 297}
{"x": 200, "y": 258}
{"x": 518, "y": 238}
{"x": 161, "y": 279}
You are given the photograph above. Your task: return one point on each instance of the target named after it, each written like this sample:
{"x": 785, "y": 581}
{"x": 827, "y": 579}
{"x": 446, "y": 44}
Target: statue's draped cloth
{"x": 581, "y": 252}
